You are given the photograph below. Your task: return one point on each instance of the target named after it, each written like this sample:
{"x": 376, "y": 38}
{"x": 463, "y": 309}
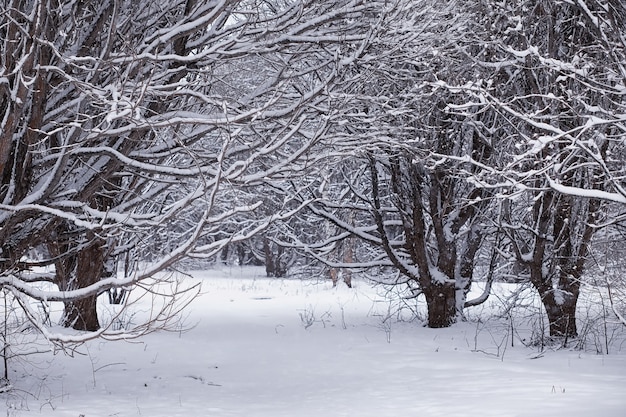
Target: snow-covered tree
{"x": 393, "y": 188}
{"x": 553, "y": 76}
{"x": 138, "y": 129}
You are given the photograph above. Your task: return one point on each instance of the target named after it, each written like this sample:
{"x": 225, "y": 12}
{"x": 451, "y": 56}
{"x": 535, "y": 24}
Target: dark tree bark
{"x": 432, "y": 252}
{"x": 275, "y": 265}
{"x": 81, "y": 314}
{"x": 441, "y": 303}
{"x": 561, "y": 312}
{"x": 563, "y": 228}
{"x": 79, "y": 270}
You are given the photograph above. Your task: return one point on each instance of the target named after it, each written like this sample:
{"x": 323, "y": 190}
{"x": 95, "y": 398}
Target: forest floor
{"x": 264, "y": 347}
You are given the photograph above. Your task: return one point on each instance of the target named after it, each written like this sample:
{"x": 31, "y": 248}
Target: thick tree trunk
{"x": 441, "y": 303}
{"x": 561, "y": 312}
{"x": 82, "y": 314}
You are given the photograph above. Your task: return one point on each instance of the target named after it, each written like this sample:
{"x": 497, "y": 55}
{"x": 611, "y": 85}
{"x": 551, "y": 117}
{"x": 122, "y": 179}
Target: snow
{"x": 249, "y": 352}
{"x": 437, "y": 275}
{"x": 589, "y": 193}
{"x": 559, "y": 296}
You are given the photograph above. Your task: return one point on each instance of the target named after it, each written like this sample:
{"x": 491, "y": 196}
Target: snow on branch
{"x": 587, "y": 193}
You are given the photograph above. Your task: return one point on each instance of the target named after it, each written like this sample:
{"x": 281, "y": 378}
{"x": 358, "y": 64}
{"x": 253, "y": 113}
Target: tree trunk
{"x": 441, "y": 303}
{"x": 334, "y": 276}
{"x": 270, "y": 269}
{"x": 345, "y": 252}
{"x": 348, "y": 258}
{"x": 561, "y": 311}
{"x": 82, "y": 314}
{"x": 275, "y": 265}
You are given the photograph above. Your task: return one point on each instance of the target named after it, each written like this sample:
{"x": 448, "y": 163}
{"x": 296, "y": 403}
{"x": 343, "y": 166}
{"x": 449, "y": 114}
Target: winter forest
{"x": 462, "y": 163}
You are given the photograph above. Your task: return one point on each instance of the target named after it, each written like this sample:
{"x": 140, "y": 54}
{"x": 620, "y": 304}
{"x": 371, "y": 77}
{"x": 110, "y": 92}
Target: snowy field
{"x": 273, "y": 348}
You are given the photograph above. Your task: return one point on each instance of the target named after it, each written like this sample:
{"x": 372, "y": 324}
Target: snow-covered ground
{"x": 272, "y": 348}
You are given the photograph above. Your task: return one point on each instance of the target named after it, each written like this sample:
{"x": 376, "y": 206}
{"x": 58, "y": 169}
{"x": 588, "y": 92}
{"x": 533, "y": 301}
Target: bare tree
{"x": 392, "y": 188}
{"x": 553, "y": 76}
{"x": 138, "y": 129}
